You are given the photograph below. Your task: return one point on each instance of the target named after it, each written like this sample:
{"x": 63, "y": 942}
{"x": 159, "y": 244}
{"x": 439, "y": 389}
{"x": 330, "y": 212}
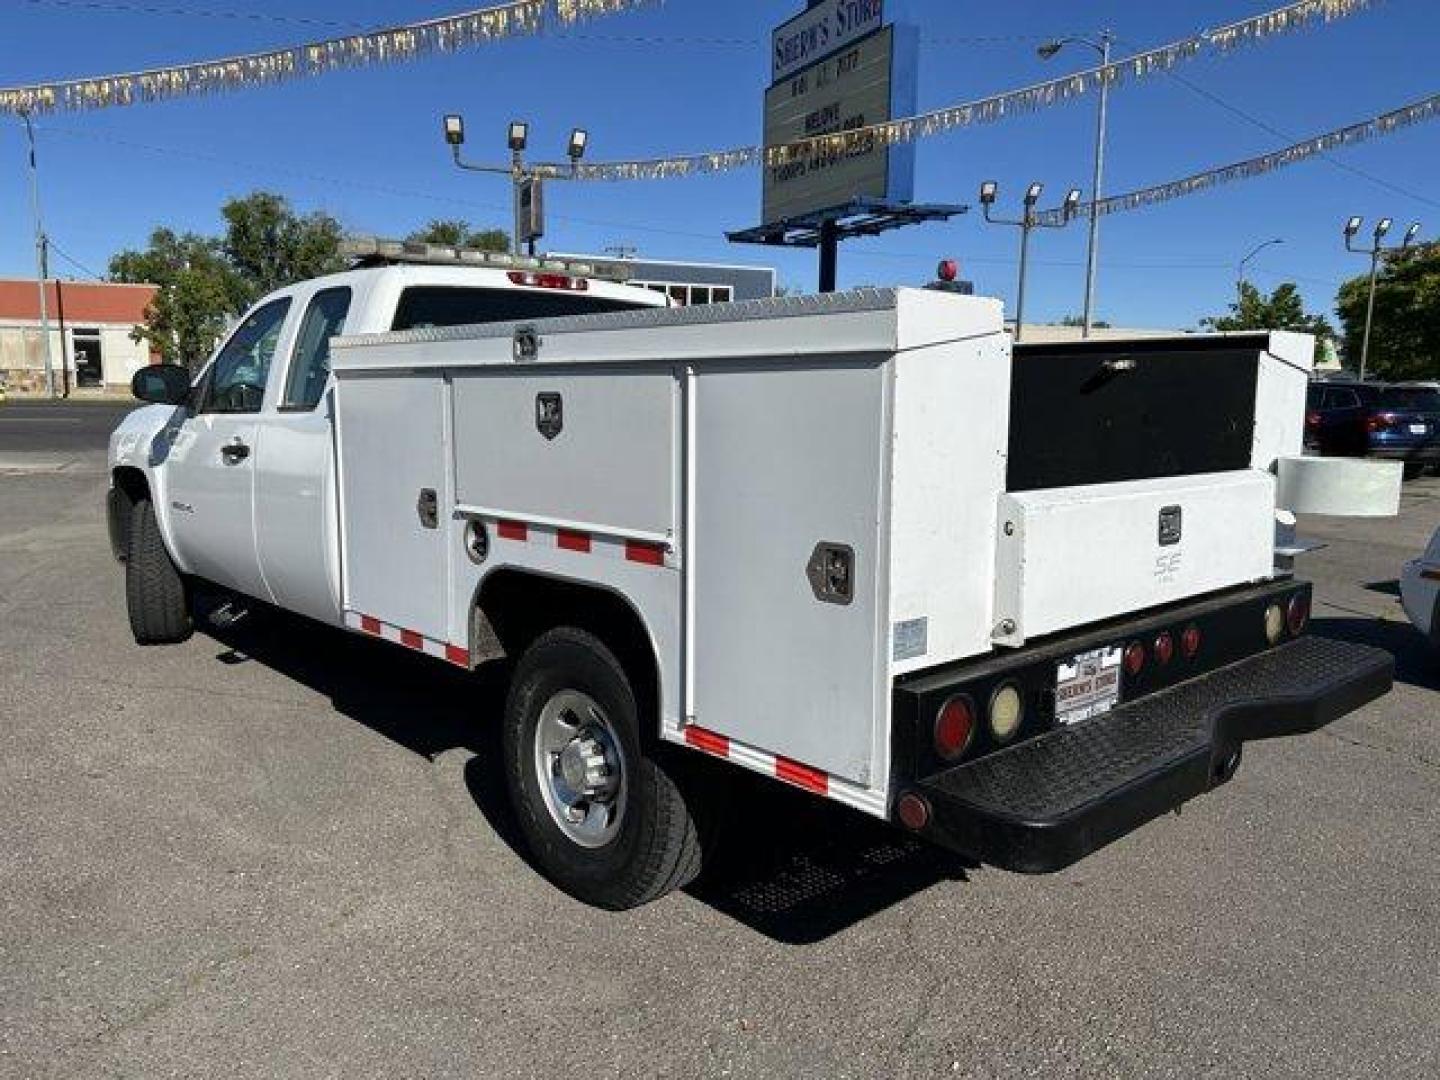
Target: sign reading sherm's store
{"x": 870, "y": 81}
{"x": 820, "y": 30}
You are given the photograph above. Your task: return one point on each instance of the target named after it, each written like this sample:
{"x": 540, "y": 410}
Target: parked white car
{"x": 1420, "y": 590}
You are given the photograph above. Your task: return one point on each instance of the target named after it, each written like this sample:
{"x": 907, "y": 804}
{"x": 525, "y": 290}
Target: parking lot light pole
{"x": 1092, "y": 258}
{"x": 517, "y": 138}
{"x": 1028, "y": 221}
{"x": 1240, "y": 269}
{"x": 42, "y": 258}
{"x": 1377, "y": 252}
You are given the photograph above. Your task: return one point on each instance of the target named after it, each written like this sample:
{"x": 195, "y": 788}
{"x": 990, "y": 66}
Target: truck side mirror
{"x": 161, "y": 384}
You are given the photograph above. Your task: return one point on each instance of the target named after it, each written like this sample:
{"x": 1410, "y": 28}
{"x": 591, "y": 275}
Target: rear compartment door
{"x": 1077, "y": 555}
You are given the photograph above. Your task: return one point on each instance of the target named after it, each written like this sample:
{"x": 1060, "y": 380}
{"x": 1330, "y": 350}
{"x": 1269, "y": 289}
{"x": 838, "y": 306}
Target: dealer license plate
{"x": 1087, "y": 686}
{"x": 1418, "y": 429}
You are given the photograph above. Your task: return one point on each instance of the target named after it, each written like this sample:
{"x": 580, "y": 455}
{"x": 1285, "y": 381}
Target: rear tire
{"x": 156, "y": 596}
{"x": 602, "y": 818}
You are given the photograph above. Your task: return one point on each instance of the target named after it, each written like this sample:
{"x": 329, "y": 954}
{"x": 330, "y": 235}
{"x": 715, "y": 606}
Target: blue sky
{"x": 365, "y": 146}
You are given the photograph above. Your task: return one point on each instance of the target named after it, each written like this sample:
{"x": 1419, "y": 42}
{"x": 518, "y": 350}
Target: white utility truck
{"x": 1018, "y": 601}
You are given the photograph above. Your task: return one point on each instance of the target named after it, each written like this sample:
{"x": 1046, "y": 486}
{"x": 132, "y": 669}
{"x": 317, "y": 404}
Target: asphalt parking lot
{"x": 278, "y": 850}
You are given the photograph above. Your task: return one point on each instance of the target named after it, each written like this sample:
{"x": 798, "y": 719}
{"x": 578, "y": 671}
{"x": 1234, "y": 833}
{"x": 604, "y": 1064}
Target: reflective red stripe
{"x": 456, "y": 655}
{"x": 511, "y": 530}
{"x": 802, "y": 776}
{"x": 411, "y": 640}
{"x": 369, "y": 625}
{"x": 641, "y": 552}
{"x": 708, "y": 741}
{"x": 572, "y": 541}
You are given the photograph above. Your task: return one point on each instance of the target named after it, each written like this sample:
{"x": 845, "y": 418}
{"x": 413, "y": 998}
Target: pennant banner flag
{"x": 449, "y": 33}
{"x": 1416, "y": 113}
{"x": 986, "y": 110}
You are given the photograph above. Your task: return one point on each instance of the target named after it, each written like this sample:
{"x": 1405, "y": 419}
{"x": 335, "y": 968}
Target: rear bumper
{"x": 1048, "y": 802}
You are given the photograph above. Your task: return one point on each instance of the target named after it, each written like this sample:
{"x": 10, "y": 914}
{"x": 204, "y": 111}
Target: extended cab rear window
{"x": 438, "y": 305}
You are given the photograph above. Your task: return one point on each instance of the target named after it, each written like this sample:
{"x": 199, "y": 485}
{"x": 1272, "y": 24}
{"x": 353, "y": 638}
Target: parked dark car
{"x": 1404, "y": 425}
{"x": 1397, "y": 423}
{"x": 1335, "y": 415}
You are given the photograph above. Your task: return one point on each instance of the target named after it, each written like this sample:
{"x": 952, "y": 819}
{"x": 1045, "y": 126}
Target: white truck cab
{"x": 1015, "y": 600}
{"x": 242, "y": 479}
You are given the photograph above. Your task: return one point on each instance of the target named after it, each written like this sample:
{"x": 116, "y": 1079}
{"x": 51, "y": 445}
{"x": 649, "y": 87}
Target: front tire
{"x": 602, "y": 819}
{"x": 155, "y": 594}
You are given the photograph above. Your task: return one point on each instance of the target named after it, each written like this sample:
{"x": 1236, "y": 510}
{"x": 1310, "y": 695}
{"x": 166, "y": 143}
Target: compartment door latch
{"x": 831, "y": 571}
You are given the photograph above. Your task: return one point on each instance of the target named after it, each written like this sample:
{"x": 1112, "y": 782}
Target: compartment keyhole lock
{"x": 831, "y": 571}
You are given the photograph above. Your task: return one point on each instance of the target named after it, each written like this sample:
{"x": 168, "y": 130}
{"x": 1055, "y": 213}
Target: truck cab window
{"x": 310, "y": 362}
{"x": 236, "y": 383}
{"x": 431, "y": 305}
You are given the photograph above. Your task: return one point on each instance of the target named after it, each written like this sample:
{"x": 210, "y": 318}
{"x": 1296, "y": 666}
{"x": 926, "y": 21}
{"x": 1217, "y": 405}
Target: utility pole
{"x": 42, "y": 258}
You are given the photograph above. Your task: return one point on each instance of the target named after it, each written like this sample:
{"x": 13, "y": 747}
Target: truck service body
{"x": 1018, "y": 601}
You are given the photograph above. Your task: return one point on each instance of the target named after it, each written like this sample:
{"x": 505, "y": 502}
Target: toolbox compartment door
{"x": 785, "y": 459}
{"x": 1076, "y": 555}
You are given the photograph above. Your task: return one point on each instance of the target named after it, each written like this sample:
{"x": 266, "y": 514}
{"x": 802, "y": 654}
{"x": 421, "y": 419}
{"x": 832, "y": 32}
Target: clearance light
{"x": 1164, "y": 648}
{"x": 1007, "y": 709}
{"x": 1274, "y": 624}
{"x": 1190, "y": 642}
{"x": 1135, "y": 659}
{"x": 954, "y": 727}
{"x": 1297, "y": 615}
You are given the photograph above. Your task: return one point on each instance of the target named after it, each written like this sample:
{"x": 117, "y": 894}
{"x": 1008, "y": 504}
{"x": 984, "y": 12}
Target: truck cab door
{"x": 296, "y": 506}
{"x": 210, "y": 469}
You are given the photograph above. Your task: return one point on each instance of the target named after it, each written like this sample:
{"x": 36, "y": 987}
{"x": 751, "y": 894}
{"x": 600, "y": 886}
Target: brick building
{"x": 90, "y": 327}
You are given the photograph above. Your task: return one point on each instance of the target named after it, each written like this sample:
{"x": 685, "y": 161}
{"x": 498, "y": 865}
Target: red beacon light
{"x": 948, "y": 270}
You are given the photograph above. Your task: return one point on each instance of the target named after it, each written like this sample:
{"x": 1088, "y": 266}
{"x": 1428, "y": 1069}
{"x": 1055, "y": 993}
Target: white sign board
{"x": 821, "y": 30}
{"x": 870, "y": 82}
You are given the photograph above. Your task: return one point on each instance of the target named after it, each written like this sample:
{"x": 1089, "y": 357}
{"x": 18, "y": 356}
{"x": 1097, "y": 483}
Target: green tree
{"x": 199, "y": 292}
{"x": 1079, "y": 320}
{"x": 1283, "y": 309}
{"x": 453, "y": 232}
{"x": 1405, "y": 338}
{"x": 270, "y": 246}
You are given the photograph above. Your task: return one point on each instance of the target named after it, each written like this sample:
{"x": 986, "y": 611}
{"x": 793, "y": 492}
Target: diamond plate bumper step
{"x": 1048, "y": 802}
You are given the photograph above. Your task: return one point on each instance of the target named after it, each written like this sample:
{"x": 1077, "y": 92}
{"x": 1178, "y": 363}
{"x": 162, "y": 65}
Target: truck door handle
{"x": 234, "y": 451}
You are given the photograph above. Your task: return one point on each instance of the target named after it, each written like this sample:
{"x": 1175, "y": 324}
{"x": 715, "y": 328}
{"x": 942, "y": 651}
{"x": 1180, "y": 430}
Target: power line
{"x": 58, "y": 250}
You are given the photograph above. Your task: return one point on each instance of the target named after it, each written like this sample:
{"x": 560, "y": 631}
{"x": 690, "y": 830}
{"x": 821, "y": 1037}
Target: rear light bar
{"x": 548, "y": 281}
{"x": 1380, "y": 422}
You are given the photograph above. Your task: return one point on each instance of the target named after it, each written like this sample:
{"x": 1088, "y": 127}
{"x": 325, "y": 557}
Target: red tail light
{"x": 1312, "y": 419}
{"x": 1379, "y": 422}
{"x": 1190, "y": 642}
{"x": 548, "y": 281}
{"x": 1164, "y": 648}
{"x": 1297, "y": 615}
{"x": 1135, "y": 659}
{"x": 954, "y": 727}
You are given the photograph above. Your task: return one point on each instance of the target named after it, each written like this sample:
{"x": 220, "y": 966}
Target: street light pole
{"x": 42, "y": 258}
{"x": 1092, "y": 258}
{"x": 520, "y": 174}
{"x": 1377, "y": 252}
{"x": 1240, "y": 269}
{"x": 1028, "y": 221}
